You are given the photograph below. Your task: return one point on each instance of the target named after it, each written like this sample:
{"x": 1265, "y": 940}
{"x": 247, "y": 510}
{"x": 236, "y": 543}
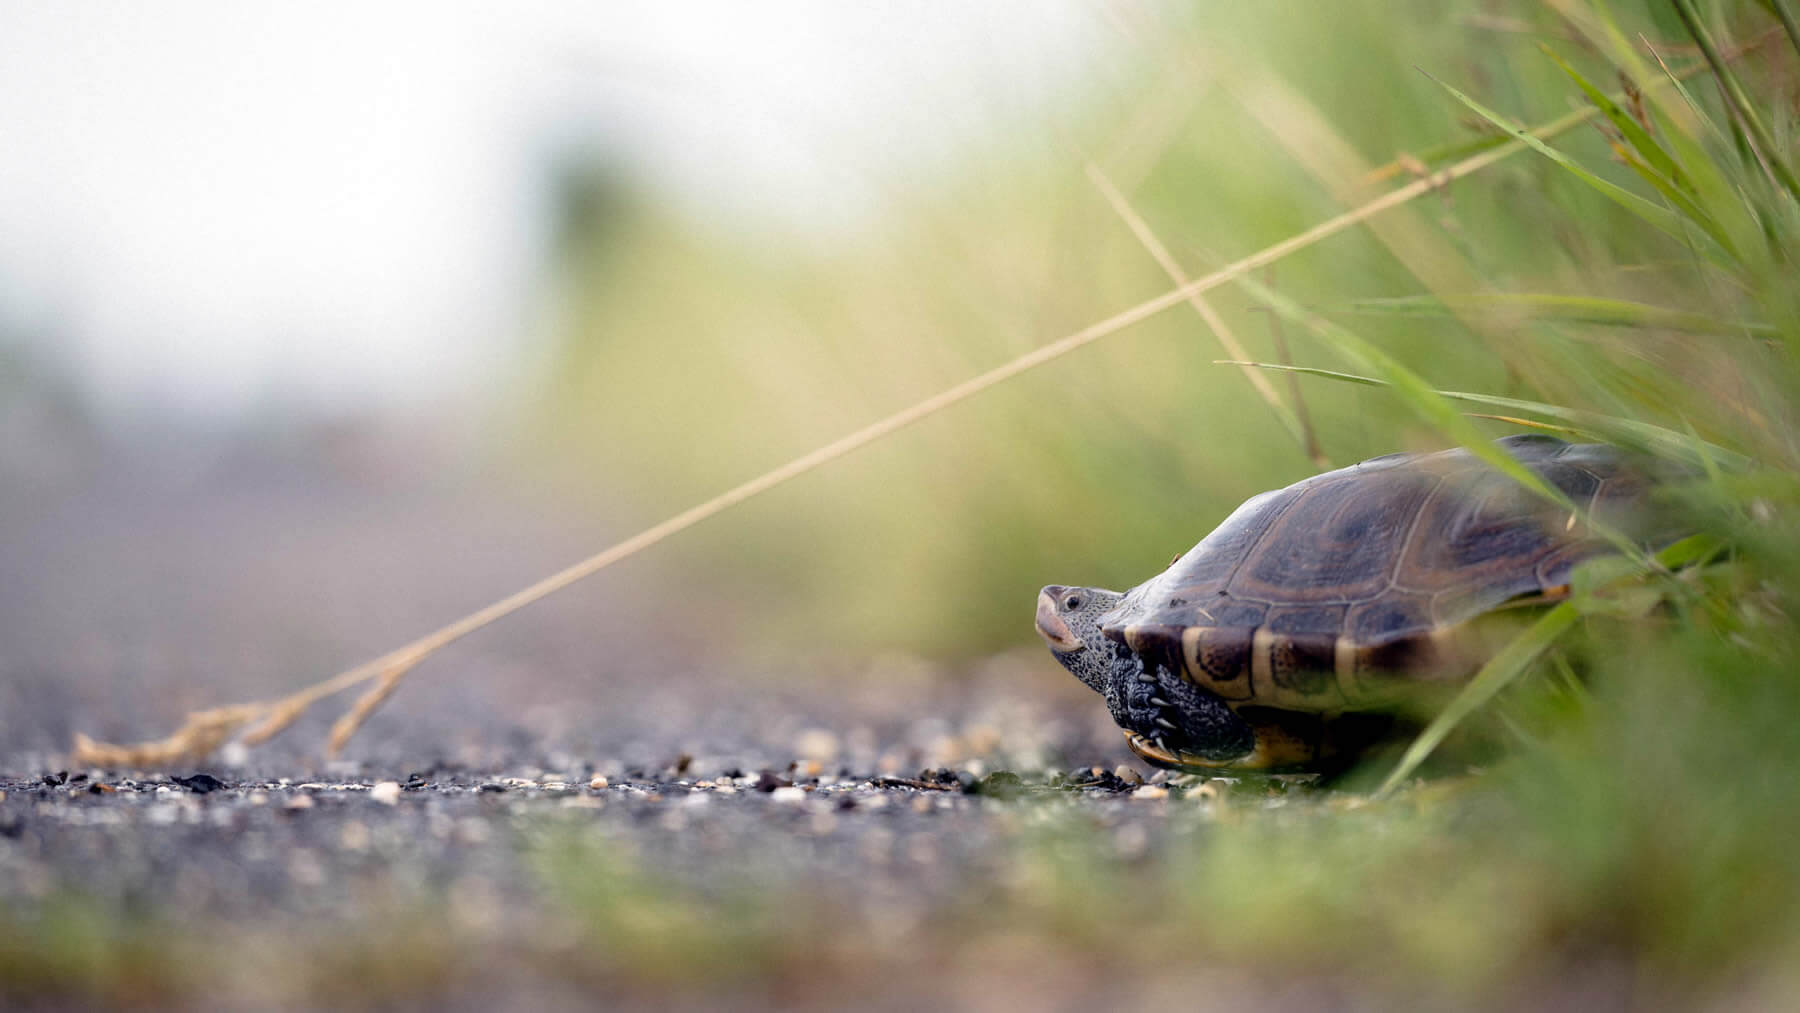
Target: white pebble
{"x": 791, "y": 793}
{"x": 386, "y": 792}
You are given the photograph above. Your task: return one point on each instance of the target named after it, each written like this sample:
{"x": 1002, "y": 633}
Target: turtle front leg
{"x": 1171, "y": 722}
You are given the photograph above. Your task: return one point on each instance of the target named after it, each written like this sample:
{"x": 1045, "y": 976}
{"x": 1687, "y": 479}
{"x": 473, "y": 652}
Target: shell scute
{"x": 1339, "y": 540}
{"x": 1388, "y": 617}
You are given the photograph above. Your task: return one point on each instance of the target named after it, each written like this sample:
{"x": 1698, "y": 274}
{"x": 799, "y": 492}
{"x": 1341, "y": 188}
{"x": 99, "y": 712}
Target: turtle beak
{"x": 1050, "y": 625}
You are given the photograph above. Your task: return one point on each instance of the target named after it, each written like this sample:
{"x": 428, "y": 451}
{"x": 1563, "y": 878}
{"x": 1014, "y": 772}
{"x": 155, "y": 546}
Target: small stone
{"x": 817, "y": 744}
{"x": 788, "y": 793}
{"x": 1150, "y": 792}
{"x": 199, "y": 784}
{"x": 298, "y": 802}
{"x": 1127, "y": 773}
{"x": 386, "y": 792}
{"x": 598, "y": 781}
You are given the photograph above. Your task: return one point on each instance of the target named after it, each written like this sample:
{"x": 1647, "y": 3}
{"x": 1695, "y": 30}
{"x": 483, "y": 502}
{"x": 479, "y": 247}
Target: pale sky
{"x": 222, "y": 206}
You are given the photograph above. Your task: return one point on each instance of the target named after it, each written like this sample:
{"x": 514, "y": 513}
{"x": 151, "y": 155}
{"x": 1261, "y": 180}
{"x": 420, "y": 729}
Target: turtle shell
{"x": 1336, "y": 592}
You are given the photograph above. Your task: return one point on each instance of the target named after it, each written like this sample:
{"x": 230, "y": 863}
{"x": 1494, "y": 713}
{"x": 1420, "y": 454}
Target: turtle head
{"x": 1167, "y": 719}
{"x": 1068, "y": 618}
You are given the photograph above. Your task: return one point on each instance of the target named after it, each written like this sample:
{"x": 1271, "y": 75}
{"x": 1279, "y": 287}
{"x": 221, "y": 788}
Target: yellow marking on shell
{"x": 1262, "y": 666}
{"x": 1449, "y": 649}
{"x": 1134, "y": 637}
{"x": 1344, "y": 655}
{"x": 1192, "y": 644}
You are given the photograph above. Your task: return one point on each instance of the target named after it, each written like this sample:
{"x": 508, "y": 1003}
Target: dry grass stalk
{"x": 1289, "y": 417}
{"x": 205, "y": 731}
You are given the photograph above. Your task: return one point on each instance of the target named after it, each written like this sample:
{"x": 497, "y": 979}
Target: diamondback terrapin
{"x": 1338, "y": 595}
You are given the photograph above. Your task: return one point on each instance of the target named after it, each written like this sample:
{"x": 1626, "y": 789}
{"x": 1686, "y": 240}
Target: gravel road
{"x": 586, "y": 799}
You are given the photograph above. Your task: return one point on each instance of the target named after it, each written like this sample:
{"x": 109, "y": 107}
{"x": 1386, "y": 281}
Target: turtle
{"x": 1280, "y": 640}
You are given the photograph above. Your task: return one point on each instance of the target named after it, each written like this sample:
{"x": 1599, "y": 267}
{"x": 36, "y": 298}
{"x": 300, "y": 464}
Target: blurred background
{"x": 316, "y": 335}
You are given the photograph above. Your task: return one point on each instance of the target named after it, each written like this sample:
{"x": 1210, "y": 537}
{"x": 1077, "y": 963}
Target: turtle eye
{"x": 1073, "y": 602}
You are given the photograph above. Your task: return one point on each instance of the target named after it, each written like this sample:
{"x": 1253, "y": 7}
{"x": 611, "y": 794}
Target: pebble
{"x": 598, "y": 781}
{"x": 386, "y": 792}
{"x": 1128, "y": 774}
{"x": 789, "y": 793}
{"x": 817, "y": 744}
{"x": 1150, "y": 792}
{"x": 298, "y": 802}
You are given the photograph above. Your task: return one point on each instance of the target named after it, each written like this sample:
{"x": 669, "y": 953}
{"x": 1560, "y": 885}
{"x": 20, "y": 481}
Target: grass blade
{"x": 1568, "y": 308}
{"x": 1496, "y": 675}
{"x": 1629, "y": 433}
{"x": 1650, "y": 160}
{"x": 1655, "y": 214}
{"x": 1516, "y": 657}
{"x": 1436, "y": 410}
{"x": 1652, "y": 152}
{"x": 1740, "y": 103}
